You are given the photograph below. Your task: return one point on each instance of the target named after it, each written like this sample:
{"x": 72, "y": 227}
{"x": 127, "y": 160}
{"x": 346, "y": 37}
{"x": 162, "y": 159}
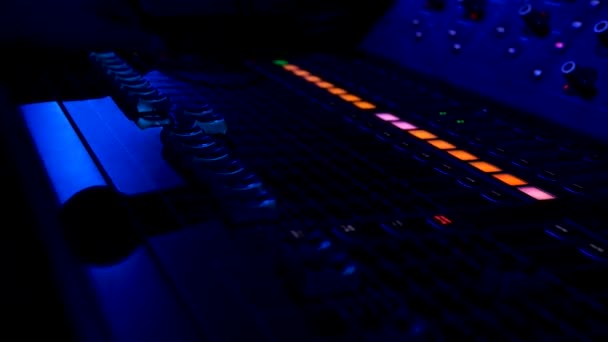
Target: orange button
{"x": 485, "y": 167}
{"x": 324, "y": 84}
{"x": 312, "y": 78}
{"x": 441, "y": 144}
{"x": 462, "y": 155}
{"x": 364, "y": 105}
{"x": 350, "y": 98}
{"x": 336, "y": 91}
{"x": 301, "y": 73}
{"x": 422, "y": 134}
{"x": 290, "y": 67}
{"x": 509, "y": 179}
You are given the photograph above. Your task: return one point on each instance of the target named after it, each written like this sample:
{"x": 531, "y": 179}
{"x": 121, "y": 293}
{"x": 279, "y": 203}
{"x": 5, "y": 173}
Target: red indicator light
{"x": 442, "y": 220}
{"x": 474, "y": 16}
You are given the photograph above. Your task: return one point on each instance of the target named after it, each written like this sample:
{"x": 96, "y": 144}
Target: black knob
{"x": 436, "y": 5}
{"x": 536, "y": 20}
{"x": 581, "y": 80}
{"x": 601, "y": 29}
{"x": 474, "y": 9}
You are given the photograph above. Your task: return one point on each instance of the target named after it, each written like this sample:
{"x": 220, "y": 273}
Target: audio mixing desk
{"x": 446, "y": 181}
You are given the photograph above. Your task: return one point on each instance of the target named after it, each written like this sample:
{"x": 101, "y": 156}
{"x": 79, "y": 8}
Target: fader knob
{"x": 537, "y": 21}
{"x": 580, "y": 79}
{"x": 601, "y": 29}
{"x": 474, "y": 9}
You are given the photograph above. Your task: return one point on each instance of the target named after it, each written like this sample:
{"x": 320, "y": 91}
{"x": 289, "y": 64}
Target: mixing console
{"x": 545, "y": 57}
{"x": 420, "y": 189}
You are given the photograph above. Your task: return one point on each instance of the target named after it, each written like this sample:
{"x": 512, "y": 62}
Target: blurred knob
{"x": 435, "y": 4}
{"x": 580, "y": 79}
{"x": 537, "y": 21}
{"x": 474, "y": 9}
{"x": 601, "y": 29}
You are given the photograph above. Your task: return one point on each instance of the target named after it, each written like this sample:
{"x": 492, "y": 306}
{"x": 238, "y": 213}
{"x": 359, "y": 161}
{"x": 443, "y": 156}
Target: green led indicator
{"x": 443, "y": 113}
{"x": 280, "y": 62}
{"x": 460, "y": 121}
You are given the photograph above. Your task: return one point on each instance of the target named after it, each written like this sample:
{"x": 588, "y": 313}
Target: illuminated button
{"x": 594, "y": 3}
{"x": 456, "y": 47}
{"x": 536, "y": 193}
{"x": 512, "y": 51}
{"x": 452, "y": 33}
{"x": 418, "y": 34}
{"x": 441, "y": 144}
{"x": 537, "y": 73}
{"x": 324, "y": 84}
{"x": 462, "y": 155}
{"x": 336, "y": 91}
{"x": 387, "y": 117}
{"x": 485, "y": 167}
{"x": 509, "y": 179}
{"x": 422, "y": 134}
{"x": 500, "y": 30}
{"x": 313, "y": 79}
{"x": 577, "y": 24}
{"x": 415, "y": 22}
{"x": 290, "y": 67}
{"x": 301, "y": 73}
{"x": 350, "y": 98}
{"x": 364, "y": 105}
{"x": 280, "y": 62}
{"x": 406, "y": 126}
{"x": 559, "y": 45}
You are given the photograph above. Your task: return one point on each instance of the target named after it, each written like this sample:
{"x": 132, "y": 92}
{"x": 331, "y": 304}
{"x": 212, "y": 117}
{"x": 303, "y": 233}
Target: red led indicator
{"x": 474, "y": 16}
{"x": 442, "y": 220}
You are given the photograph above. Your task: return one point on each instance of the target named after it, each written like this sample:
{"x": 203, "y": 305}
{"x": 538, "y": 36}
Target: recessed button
{"x": 494, "y": 196}
{"x": 469, "y": 182}
{"x": 549, "y": 175}
{"x": 563, "y": 231}
{"x": 575, "y": 188}
{"x": 446, "y": 169}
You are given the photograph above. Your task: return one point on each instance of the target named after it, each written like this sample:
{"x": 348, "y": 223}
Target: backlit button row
{"x": 422, "y": 134}
{"x": 331, "y": 88}
{"x": 463, "y": 155}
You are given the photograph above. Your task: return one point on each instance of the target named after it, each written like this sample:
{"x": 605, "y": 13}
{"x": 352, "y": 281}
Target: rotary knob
{"x": 536, "y": 20}
{"x": 436, "y": 5}
{"x": 474, "y": 9}
{"x": 601, "y": 29}
{"x": 580, "y": 80}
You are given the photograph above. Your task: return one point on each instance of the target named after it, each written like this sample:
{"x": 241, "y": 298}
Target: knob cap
{"x": 537, "y": 21}
{"x": 436, "y": 5}
{"x": 580, "y": 79}
{"x": 601, "y": 29}
{"x": 474, "y": 9}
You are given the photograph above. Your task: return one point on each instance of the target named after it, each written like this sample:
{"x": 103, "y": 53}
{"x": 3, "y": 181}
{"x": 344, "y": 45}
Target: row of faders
{"x": 192, "y": 137}
{"x": 207, "y": 161}
{"x": 136, "y": 96}
{"x": 146, "y": 99}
